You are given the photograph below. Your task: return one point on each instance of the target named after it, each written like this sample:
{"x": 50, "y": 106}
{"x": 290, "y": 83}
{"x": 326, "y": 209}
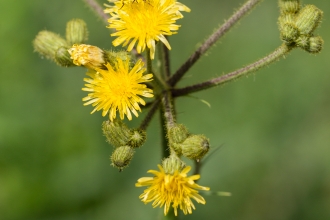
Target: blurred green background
{"x": 273, "y": 127}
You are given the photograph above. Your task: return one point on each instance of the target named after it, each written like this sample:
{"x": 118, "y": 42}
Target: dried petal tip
{"x": 87, "y": 55}
{"x": 121, "y": 157}
{"x": 76, "y": 31}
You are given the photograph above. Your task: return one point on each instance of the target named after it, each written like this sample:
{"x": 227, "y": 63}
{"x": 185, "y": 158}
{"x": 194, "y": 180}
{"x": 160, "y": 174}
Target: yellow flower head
{"x": 144, "y": 22}
{"x": 86, "y": 55}
{"x": 175, "y": 188}
{"x": 118, "y": 89}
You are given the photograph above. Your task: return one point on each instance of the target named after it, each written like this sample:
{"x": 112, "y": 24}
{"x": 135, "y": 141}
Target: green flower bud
{"x": 76, "y": 31}
{"x": 62, "y": 57}
{"x": 315, "y": 44}
{"x": 286, "y": 19}
{"x": 178, "y": 133}
{"x": 289, "y": 6}
{"x": 308, "y": 19}
{"x": 137, "y": 139}
{"x": 111, "y": 57}
{"x": 116, "y": 132}
{"x": 121, "y": 157}
{"x": 177, "y": 148}
{"x": 172, "y": 164}
{"x": 303, "y": 41}
{"x": 195, "y": 147}
{"x": 47, "y": 43}
{"x": 289, "y": 33}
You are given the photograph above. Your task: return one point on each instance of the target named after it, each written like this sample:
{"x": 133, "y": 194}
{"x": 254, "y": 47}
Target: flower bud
{"x": 303, "y": 41}
{"x": 116, "y": 132}
{"x": 195, "y": 147}
{"x": 121, "y": 157}
{"x": 286, "y": 19}
{"x": 47, "y": 43}
{"x": 62, "y": 57}
{"x": 172, "y": 164}
{"x": 112, "y": 56}
{"x": 289, "y": 6}
{"x": 137, "y": 139}
{"x": 87, "y": 55}
{"x": 315, "y": 44}
{"x": 308, "y": 19}
{"x": 289, "y": 33}
{"x": 178, "y": 133}
{"x": 76, "y": 31}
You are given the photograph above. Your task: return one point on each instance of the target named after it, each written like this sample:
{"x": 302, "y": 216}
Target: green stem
{"x": 159, "y": 83}
{"x": 278, "y": 53}
{"x": 211, "y": 40}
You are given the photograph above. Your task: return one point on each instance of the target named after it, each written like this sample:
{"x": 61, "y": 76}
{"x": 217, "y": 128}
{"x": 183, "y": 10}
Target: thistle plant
{"x": 123, "y": 82}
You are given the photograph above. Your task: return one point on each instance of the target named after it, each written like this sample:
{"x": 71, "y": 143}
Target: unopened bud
{"x": 116, "y": 132}
{"x": 195, "y": 147}
{"x": 112, "y": 57}
{"x": 289, "y": 33}
{"x": 178, "y": 133}
{"x": 315, "y": 44}
{"x": 47, "y": 43}
{"x": 121, "y": 157}
{"x": 137, "y": 138}
{"x": 308, "y": 19}
{"x": 87, "y": 55}
{"x": 76, "y": 31}
{"x": 303, "y": 41}
{"x": 286, "y": 19}
{"x": 172, "y": 164}
{"x": 289, "y": 6}
{"x": 62, "y": 57}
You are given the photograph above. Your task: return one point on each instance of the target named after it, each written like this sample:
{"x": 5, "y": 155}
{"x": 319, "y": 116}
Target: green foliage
{"x": 273, "y": 127}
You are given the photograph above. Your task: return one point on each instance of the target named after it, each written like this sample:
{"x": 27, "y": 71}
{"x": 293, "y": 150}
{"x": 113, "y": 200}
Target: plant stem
{"x": 96, "y": 7}
{"x": 159, "y": 83}
{"x": 211, "y": 40}
{"x": 168, "y": 110}
{"x": 278, "y": 53}
{"x": 151, "y": 113}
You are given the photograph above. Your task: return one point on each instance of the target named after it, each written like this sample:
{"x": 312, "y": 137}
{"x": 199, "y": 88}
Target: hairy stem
{"x": 211, "y": 40}
{"x": 96, "y": 7}
{"x": 168, "y": 110}
{"x": 278, "y": 53}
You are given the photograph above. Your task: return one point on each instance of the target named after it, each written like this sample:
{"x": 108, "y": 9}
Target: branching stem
{"x": 278, "y": 53}
{"x": 211, "y": 40}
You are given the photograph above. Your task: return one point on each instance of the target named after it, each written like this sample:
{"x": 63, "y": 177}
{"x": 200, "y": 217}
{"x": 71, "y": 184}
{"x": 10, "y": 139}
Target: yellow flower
{"x": 176, "y": 188}
{"x": 86, "y": 55}
{"x": 144, "y": 22}
{"x": 118, "y": 89}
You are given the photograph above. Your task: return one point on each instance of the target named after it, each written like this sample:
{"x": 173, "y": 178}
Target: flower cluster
{"x": 117, "y": 82}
